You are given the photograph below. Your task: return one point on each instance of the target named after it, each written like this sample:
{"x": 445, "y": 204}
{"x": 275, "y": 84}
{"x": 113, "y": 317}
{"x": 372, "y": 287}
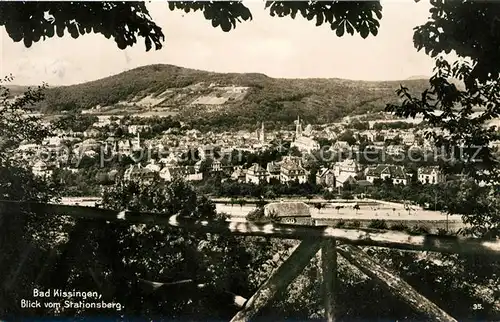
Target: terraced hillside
{"x": 226, "y": 99}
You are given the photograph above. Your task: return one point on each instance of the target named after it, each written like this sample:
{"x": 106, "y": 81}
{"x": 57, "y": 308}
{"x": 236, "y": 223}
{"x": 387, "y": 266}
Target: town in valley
{"x": 354, "y": 170}
{"x": 250, "y": 161}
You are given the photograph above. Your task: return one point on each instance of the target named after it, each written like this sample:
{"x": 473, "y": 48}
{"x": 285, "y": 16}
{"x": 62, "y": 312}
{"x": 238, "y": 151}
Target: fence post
{"x": 397, "y": 286}
{"x": 330, "y": 285}
{"x": 279, "y": 280}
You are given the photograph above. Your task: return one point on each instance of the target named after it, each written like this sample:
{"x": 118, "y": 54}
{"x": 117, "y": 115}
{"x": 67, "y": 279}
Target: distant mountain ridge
{"x": 15, "y": 90}
{"x": 226, "y": 97}
{"x": 418, "y": 77}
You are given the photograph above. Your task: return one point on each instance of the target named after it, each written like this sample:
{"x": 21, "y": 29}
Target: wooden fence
{"x": 332, "y": 242}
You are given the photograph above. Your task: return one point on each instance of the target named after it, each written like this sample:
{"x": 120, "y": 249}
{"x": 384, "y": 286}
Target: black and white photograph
{"x": 250, "y": 160}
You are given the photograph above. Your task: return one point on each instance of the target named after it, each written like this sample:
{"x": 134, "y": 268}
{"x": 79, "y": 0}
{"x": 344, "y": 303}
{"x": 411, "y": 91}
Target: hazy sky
{"x": 277, "y": 47}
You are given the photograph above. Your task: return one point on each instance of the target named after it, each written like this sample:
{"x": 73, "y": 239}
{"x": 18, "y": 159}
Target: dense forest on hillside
{"x": 15, "y": 90}
{"x": 270, "y": 99}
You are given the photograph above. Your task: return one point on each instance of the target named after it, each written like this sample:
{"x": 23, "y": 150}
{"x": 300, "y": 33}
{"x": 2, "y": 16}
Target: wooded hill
{"x": 210, "y": 98}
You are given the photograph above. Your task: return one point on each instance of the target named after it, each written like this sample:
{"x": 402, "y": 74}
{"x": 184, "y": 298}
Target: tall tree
{"x": 462, "y": 111}
{"x": 133, "y": 256}
{"x": 21, "y": 231}
{"x": 17, "y": 122}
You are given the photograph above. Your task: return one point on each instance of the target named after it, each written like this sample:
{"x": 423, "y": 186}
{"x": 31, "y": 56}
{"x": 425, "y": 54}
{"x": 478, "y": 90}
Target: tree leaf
{"x": 27, "y": 41}
{"x": 340, "y": 30}
{"x": 319, "y": 19}
{"x": 60, "y": 29}
{"x": 72, "y": 29}
{"x": 364, "y": 31}
{"x": 208, "y": 13}
{"x": 49, "y": 30}
{"x": 14, "y": 31}
{"x": 225, "y": 25}
{"x": 245, "y": 14}
{"x": 350, "y": 29}
{"x": 122, "y": 44}
{"x": 335, "y": 24}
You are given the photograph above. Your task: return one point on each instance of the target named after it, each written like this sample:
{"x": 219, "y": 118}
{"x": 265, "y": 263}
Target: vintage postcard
{"x": 250, "y": 160}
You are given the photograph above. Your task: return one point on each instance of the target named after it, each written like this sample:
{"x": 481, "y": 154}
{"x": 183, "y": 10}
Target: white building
{"x": 389, "y": 134}
{"x": 41, "y": 169}
{"x": 206, "y": 151}
{"x": 408, "y": 138}
{"x": 136, "y": 129}
{"x": 273, "y": 171}
{"x": 239, "y": 174}
{"x": 136, "y": 142}
{"x": 256, "y": 174}
{"x": 308, "y": 130}
{"x": 395, "y": 149}
{"x": 303, "y": 143}
{"x": 171, "y": 159}
{"x": 53, "y": 141}
{"x": 343, "y": 179}
{"x": 292, "y": 170}
{"x": 139, "y": 173}
{"x": 216, "y": 166}
{"x": 153, "y": 166}
{"x": 91, "y": 133}
{"x": 384, "y": 171}
{"x": 340, "y": 146}
{"x": 430, "y": 175}
{"x": 325, "y": 177}
{"x": 187, "y": 173}
{"x": 125, "y": 147}
{"x": 347, "y": 166}
{"x": 370, "y": 135}
{"x": 261, "y": 134}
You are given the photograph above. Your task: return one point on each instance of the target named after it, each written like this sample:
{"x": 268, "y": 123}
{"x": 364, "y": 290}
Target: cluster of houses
{"x": 289, "y": 169}
{"x": 167, "y": 172}
{"x": 346, "y": 172}
{"x": 376, "y": 140}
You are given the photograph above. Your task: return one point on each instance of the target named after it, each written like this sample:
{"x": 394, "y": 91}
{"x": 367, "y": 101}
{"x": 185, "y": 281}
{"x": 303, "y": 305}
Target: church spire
{"x": 262, "y": 134}
{"x": 298, "y": 128}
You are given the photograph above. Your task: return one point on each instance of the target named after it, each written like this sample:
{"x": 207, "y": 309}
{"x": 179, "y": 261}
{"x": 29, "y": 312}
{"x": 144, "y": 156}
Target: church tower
{"x": 137, "y": 142}
{"x": 298, "y": 128}
{"x": 262, "y": 136}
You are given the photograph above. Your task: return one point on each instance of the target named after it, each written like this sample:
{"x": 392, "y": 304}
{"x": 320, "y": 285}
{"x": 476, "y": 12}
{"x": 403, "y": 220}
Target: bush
{"x": 354, "y": 224}
{"x": 256, "y": 215}
{"x": 340, "y": 224}
{"x": 399, "y": 227}
{"x": 346, "y": 195}
{"x": 378, "y": 224}
{"x": 443, "y": 232}
{"x": 328, "y": 195}
{"x": 418, "y": 230}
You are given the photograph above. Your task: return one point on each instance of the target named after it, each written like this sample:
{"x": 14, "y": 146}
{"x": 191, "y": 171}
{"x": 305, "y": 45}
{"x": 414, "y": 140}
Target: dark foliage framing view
{"x": 157, "y": 271}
